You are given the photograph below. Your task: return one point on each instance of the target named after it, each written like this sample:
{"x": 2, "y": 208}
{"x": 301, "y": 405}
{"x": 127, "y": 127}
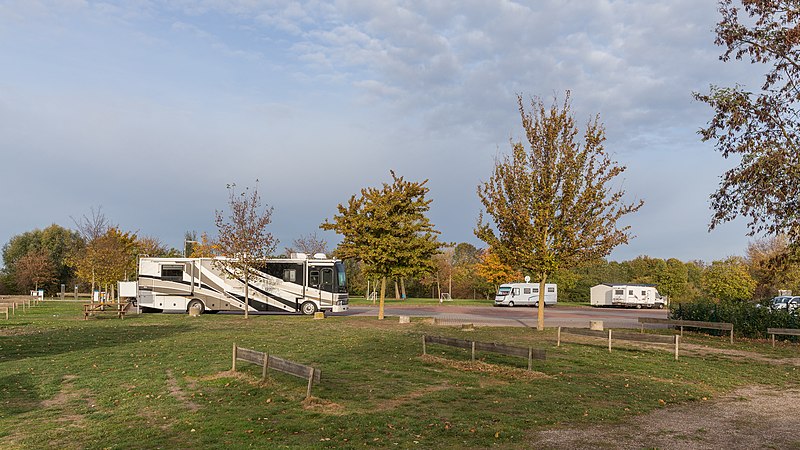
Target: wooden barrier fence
{"x": 522, "y": 352}
{"x": 267, "y": 361}
{"x": 782, "y": 331}
{"x": 108, "y": 307}
{"x": 725, "y": 326}
{"x": 4, "y": 310}
{"x": 621, "y": 335}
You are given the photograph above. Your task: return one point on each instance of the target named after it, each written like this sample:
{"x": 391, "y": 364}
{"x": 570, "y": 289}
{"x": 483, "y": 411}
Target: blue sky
{"x": 150, "y": 108}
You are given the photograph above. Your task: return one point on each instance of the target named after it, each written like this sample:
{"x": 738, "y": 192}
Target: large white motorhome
{"x": 296, "y": 284}
{"x": 627, "y": 295}
{"x": 525, "y": 294}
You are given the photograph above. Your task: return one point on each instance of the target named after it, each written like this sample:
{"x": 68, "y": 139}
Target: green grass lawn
{"x": 162, "y": 381}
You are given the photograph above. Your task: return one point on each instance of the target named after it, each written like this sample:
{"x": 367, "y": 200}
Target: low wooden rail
{"x": 725, "y": 326}
{"x": 621, "y": 335}
{"x": 782, "y": 331}
{"x": 267, "y": 361}
{"x": 4, "y": 310}
{"x": 492, "y": 347}
{"x": 104, "y": 307}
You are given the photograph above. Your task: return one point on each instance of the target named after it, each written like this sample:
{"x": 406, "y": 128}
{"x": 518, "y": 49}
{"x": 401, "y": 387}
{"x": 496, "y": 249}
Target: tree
{"x": 769, "y": 267}
{"x": 386, "y": 228}
{"x": 57, "y": 242}
{"x": 551, "y": 204}
{"x": 107, "y": 259}
{"x": 759, "y": 129}
{"x": 35, "y": 269}
{"x": 495, "y": 271}
{"x": 243, "y": 238}
{"x": 310, "y": 244}
{"x": 93, "y": 226}
{"x": 728, "y": 280}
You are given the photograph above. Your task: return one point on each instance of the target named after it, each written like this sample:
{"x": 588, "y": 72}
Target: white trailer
{"x": 297, "y": 284}
{"x": 627, "y": 295}
{"x": 525, "y": 294}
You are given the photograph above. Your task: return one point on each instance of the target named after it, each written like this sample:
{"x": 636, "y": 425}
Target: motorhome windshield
{"x": 341, "y": 278}
{"x": 504, "y": 291}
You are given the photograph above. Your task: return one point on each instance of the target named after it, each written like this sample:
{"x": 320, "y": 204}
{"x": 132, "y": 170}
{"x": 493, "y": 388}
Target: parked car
{"x": 780, "y": 302}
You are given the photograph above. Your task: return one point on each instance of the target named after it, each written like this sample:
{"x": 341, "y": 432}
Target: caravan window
{"x": 172, "y": 272}
{"x": 516, "y": 291}
{"x": 536, "y": 290}
{"x": 526, "y": 291}
{"x": 619, "y": 292}
{"x": 551, "y": 289}
{"x": 644, "y": 293}
{"x": 290, "y": 275}
{"x": 630, "y": 292}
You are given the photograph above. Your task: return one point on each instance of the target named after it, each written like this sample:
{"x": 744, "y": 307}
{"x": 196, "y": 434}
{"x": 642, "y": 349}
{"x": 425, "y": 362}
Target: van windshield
{"x": 504, "y": 290}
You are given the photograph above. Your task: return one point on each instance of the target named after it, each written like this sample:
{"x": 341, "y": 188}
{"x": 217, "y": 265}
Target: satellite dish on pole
{"x": 527, "y": 279}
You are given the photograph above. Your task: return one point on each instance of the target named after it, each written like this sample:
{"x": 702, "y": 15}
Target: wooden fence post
{"x": 731, "y": 334}
{"x": 310, "y": 382}
{"x": 424, "y": 350}
{"x": 473, "y": 351}
{"x": 530, "y": 358}
{"x": 681, "y": 330}
{"x": 773, "y": 340}
{"x": 677, "y": 344}
{"x": 558, "y": 338}
{"x": 609, "y": 339}
{"x": 265, "y": 366}
{"x": 233, "y": 365}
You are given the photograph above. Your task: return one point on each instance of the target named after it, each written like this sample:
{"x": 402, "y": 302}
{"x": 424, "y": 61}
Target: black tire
{"x": 660, "y": 306}
{"x": 196, "y": 302}
{"x": 308, "y": 308}
{"x": 510, "y": 304}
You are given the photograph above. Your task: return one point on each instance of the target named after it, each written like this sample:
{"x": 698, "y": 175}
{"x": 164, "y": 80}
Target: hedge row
{"x": 748, "y": 319}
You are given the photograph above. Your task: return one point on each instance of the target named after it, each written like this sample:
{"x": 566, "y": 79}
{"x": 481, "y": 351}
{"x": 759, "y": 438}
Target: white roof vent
{"x": 320, "y": 256}
{"x": 298, "y": 256}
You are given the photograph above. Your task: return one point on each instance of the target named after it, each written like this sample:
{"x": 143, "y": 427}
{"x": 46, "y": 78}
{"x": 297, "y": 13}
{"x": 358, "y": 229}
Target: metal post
{"x": 473, "y": 350}
{"x": 233, "y": 365}
{"x": 423, "y": 345}
{"x": 558, "y": 338}
{"x": 609, "y": 339}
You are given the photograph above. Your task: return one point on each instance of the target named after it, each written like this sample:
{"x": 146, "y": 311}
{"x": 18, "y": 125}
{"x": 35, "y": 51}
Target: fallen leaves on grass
{"x": 322, "y": 406}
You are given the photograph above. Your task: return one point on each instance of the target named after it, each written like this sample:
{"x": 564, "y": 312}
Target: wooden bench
{"x": 104, "y": 307}
{"x": 725, "y": 326}
{"x": 782, "y": 331}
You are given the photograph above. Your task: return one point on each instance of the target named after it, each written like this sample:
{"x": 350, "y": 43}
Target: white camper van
{"x": 627, "y": 295}
{"x": 297, "y": 284}
{"x": 525, "y": 294}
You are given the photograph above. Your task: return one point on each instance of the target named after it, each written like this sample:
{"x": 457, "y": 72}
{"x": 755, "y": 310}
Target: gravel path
{"x": 748, "y": 418}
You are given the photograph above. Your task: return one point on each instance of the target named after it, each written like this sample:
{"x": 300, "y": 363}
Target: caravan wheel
{"x": 510, "y": 304}
{"x": 308, "y": 308}
{"x": 196, "y": 304}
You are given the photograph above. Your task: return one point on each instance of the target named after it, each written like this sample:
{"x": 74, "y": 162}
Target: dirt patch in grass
{"x": 176, "y": 391}
{"x": 750, "y": 417}
{"x": 482, "y": 367}
{"x": 323, "y": 406}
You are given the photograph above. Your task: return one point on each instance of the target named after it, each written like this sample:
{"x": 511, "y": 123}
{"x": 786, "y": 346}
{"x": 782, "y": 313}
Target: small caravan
{"x": 627, "y": 295}
{"x": 525, "y": 294}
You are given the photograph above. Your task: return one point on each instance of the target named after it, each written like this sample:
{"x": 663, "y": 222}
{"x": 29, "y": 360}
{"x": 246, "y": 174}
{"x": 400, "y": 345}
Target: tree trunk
{"x": 396, "y": 290}
{"x": 540, "y": 318}
{"x": 383, "y": 295}
{"x": 246, "y": 292}
{"x": 450, "y": 285}
{"x": 403, "y": 288}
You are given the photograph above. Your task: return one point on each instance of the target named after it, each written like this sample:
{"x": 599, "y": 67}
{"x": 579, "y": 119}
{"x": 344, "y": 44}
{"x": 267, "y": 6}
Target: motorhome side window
{"x": 630, "y": 292}
{"x": 644, "y": 292}
{"x": 172, "y": 272}
{"x": 313, "y": 277}
{"x": 536, "y": 290}
{"x": 619, "y": 292}
{"x": 516, "y": 291}
{"x": 526, "y": 290}
{"x": 551, "y": 289}
{"x": 289, "y": 275}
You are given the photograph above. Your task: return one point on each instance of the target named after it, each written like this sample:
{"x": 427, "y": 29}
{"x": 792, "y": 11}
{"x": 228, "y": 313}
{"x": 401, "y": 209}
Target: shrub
{"x": 748, "y": 319}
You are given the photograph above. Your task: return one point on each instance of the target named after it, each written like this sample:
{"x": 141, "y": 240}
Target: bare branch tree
{"x": 243, "y": 238}
{"x": 94, "y": 226}
{"x": 309, "y": 244}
